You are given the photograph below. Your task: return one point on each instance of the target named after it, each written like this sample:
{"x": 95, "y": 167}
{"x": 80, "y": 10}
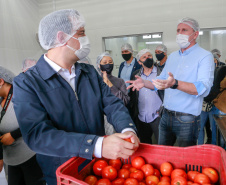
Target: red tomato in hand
{"x": 202, "y": 179}
{"x": 152, "y": 180}
{"x": 179, "y": 180}
{"x": 138, "y": 174}
{"x": 178, "y": 172}
{"x": 148, "y": 169}
{"x": 156, "y": 173}
{"x": 191, "y": 175}
{"x": 123, "y": 173}
{"x": 119, "y": 181}
{"x": 131, "y": 181}
{"x": 166, "y": 169}
{"x": 116, "y": 163}
{"x": 109, "y": 172}
{"x": 212, "y": 174}
{"x": 126, "y": 166}
{"x": 103, "y": 182}
{"x": 91, "y": 180}
{"x": 99, "y": 166}
{"x": 138, "y": 162}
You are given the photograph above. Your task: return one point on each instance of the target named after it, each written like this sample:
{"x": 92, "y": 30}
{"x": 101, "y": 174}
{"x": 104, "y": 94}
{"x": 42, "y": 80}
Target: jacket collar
{"x": 46, "y": 71}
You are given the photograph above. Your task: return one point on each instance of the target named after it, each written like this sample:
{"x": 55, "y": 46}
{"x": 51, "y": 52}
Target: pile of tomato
{"x": 113, "y": 172}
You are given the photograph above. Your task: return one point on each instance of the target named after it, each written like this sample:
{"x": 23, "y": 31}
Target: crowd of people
{"x": 61, "y": 106}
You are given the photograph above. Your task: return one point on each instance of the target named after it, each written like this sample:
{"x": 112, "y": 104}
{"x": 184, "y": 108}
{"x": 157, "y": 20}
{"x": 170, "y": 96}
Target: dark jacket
{"x": 135, "y": 95}
{"x": 136, "y": 66}
{"x": 59, "y": 123}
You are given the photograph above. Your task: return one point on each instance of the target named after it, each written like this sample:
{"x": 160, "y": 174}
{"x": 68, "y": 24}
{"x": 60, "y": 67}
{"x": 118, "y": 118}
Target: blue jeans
{"x": 183, "y": 128}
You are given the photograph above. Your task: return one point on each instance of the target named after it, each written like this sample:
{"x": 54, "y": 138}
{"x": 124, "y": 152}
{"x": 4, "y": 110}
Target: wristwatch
{"x": 175, "y": 85}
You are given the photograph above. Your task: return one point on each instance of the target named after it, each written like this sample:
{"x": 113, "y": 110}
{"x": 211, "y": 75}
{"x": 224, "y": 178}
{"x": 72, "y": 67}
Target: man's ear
{"x": 196, "y": 35}
{"x": 61, "y": 37}
{"x": 1, "y": 81}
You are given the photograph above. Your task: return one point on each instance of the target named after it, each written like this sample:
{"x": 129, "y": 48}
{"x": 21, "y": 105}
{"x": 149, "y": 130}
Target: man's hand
{"x": 1, "y": 165}
{"x": 115, "y": 147}
{"x": 164, "y": 84}
{"x": 7, "y": 139}
{"x": 136, "y": 84}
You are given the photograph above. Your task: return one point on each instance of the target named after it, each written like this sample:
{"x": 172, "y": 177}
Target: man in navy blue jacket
{"x": 60, "y": 103}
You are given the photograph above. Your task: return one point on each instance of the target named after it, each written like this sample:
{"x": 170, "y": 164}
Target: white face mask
{"x": 182, "y": 40}
{"x": 84, "y": 47}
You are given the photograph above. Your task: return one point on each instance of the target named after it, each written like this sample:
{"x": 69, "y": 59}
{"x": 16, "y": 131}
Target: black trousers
{"x": 146, "y": 130}
{"x": 27, "y": 173}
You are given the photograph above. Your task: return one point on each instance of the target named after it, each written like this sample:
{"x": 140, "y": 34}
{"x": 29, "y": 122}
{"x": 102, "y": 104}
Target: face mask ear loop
{"x": 71, "y": 48}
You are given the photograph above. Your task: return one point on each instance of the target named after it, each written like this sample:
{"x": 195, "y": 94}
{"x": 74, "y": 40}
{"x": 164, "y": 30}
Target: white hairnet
{"x": 142, "y": 52}
{"x": 162, "y": 48}
{"x": 190, "y": 22}
{"x": 216, "y": 56}
{"x": 85, "y": 60}
{"x": 100, "y": 57}
{"x": 127, "y": 46}
{"x": 6, "y": 75}
{"x": 216, "y": 51}
{"x": 27, "y": 63}
{"x": 67, "y": 21}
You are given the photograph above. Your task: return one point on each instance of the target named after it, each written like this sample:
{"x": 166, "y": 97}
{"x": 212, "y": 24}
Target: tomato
{"x": 98, "y": 167}
{"x": 189, "y": 183}
{"x": 212, "y": 174}
{"x": 196, "y": 184}
{"x": 126, "y": 166}
{"x": 116, "y": 163}
{"x": 152, "y": 180}
{"x": 91, "y": 180}
{"x": 191, "y": 175}
{"x": 156, "y": 173}
{"x": 138, "y": 174}
{"x": 178, "y": 172}
{"x": 166, "y": 169}
{"x": 109, "y": 172}
{"x": 128, "y": 140}
{"x": 119, "y": 181}
{"x": 138, "y": 162}
{"x": 103, "y": 182}
{"x": 123, "y": 173}
{"x": 202, "y": 179}
{"x": 148, "y": 169}
{"x": 132, "y": 169}
{"x": 131, "y": 181}
{"x": 165, "y": 178}
{"x": 142, "y": 183}
{"x": 164, "y": 183}
{"x": 179, "y": 180}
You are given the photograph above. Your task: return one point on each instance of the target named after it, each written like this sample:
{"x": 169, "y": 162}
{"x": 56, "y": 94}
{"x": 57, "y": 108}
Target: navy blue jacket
{"x": 136, "y": 66}
{"x": 58, "y": 123}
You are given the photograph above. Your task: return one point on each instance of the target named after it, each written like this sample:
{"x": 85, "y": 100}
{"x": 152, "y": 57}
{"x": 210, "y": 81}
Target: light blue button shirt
{"x": 126, "y": 71}
{"x": 195, "y": 65}
{"x": 148, "y": 101}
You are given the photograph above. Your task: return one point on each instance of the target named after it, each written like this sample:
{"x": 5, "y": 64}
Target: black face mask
{"x": 160, "y": 56}
{"x": 107, "y": 67}
{"x": 126, "y": 57}
{"x": 148, "y": 62}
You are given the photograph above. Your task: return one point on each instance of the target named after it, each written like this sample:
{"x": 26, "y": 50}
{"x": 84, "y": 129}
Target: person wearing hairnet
{"x": 23, "y": 168}
{"x": 187, "y": 78}
{"x": 161, "y": 55}
{"x": 129, "y": 65}
{"x": 217, "y": 54}
{"x": 146, "y": 104}
{"x": 60, "y": 104}
{"x": 105, "y": 67}
{"x": 28, "y": 63}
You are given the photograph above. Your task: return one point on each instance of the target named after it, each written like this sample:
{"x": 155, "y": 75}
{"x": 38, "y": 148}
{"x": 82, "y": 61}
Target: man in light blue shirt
{"x": 187, "y": 78}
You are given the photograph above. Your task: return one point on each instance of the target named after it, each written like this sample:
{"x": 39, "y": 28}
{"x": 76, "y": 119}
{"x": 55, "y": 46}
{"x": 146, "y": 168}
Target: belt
{"x": 177, "y": 113}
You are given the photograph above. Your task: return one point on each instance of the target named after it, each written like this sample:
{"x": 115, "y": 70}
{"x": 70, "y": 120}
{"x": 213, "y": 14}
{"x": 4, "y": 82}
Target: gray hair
{"x": 190, "y": 22}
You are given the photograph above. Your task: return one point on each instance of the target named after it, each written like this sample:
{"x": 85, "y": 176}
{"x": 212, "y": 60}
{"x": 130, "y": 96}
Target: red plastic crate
{"x": 201, "y": 155}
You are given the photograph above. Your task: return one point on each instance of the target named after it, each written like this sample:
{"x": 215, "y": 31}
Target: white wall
{"x": 106, "y": 18}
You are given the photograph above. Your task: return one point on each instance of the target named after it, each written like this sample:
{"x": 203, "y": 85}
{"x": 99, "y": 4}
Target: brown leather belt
{"x": 177, "y": 113}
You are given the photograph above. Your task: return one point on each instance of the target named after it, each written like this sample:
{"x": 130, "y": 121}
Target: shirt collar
{"x": 132, "y": 63}
{"x": 187, "y": 51}
{"x": 154, "y": 70}
{"x": 56, "y": 67}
